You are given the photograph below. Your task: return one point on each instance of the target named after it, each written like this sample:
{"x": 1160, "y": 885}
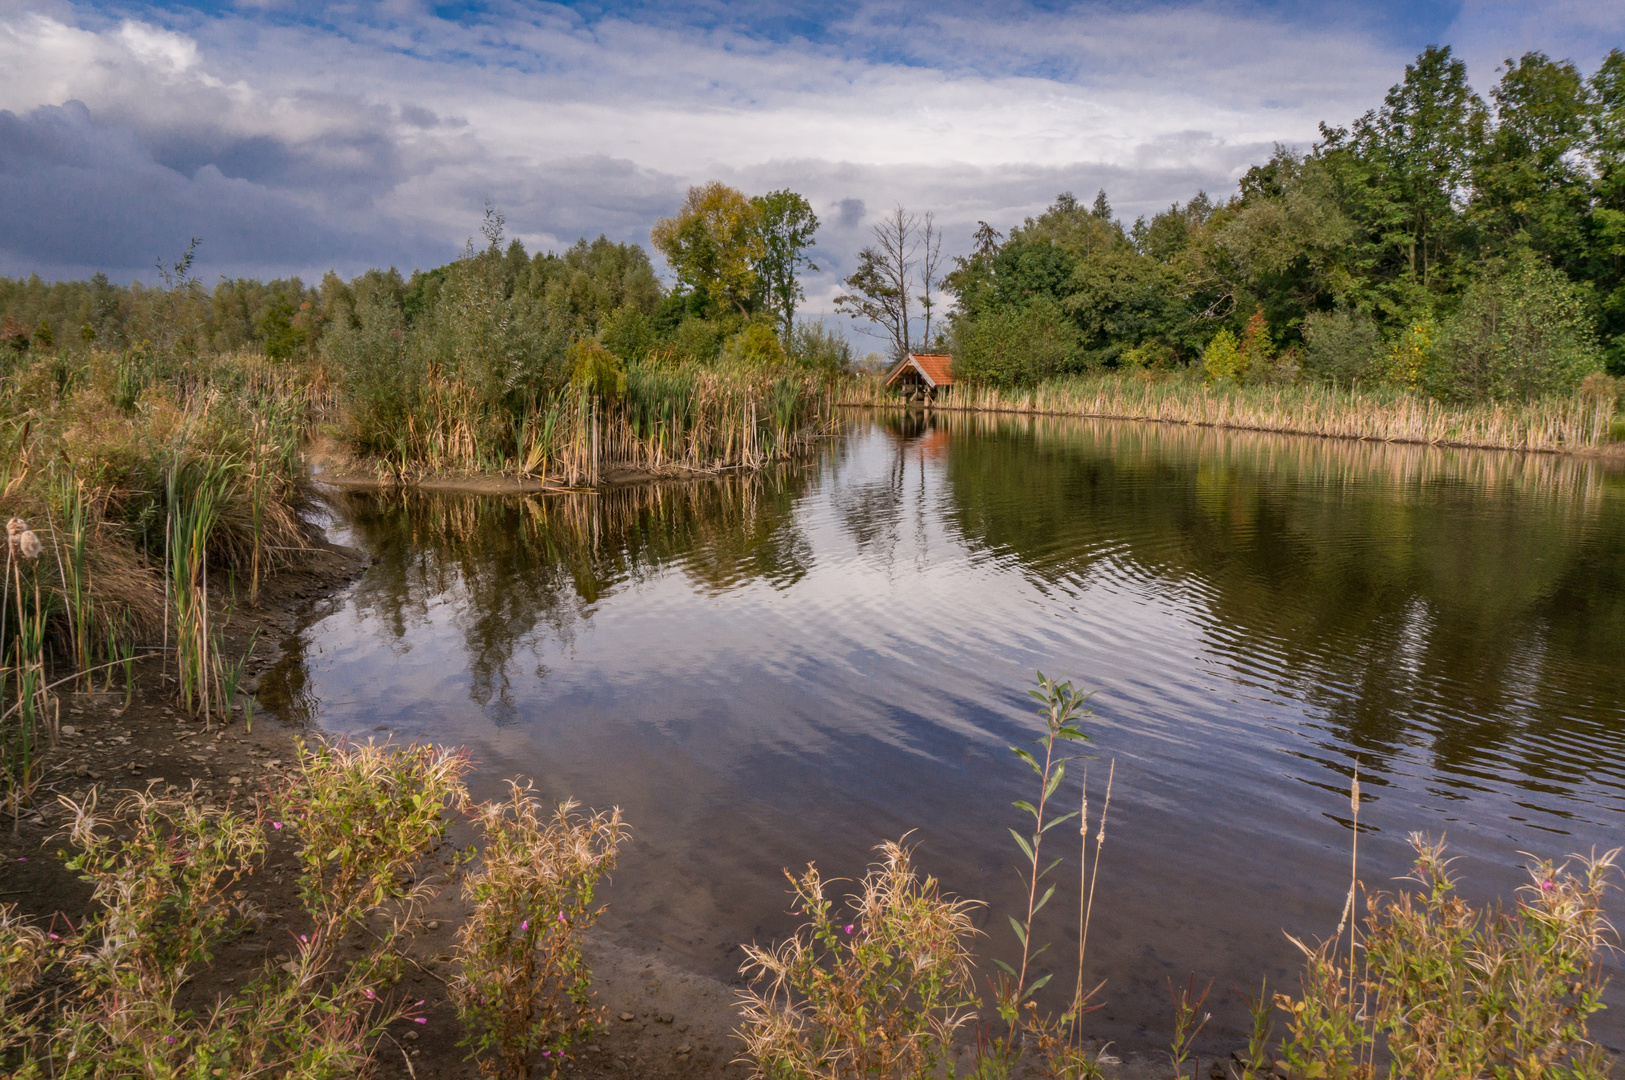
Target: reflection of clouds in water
{"x": 791, "y": 667}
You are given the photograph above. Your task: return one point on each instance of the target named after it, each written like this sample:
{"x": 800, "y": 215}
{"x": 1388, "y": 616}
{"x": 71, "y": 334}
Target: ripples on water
{"x": 771, "y": 670}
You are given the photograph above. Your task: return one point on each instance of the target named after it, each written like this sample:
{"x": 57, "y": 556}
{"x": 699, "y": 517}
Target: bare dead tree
{"x": 880, "y": 285}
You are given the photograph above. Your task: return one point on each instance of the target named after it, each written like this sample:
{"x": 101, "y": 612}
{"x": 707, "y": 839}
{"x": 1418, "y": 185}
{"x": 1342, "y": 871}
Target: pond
{"x": 786, "y": 668}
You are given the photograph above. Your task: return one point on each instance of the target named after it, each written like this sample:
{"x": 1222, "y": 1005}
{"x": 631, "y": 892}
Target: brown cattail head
{"x": 28, "y": 545}
{"x": 15, "y": 528}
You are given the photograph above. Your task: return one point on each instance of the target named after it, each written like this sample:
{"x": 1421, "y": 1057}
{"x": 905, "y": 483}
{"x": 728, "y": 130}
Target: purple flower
{"x": 849, "y": 928}
{"x": 276, "y": 824}
{"x": 561, "y": 917}
{"x": 525, "y": 925}
{"x": 306, "y": 939}
{"x": 419, "y": 1020}
{"x": 1546, "y": 885}
{"x": 170, "y": 1040}
{"x": 53, "y": 937}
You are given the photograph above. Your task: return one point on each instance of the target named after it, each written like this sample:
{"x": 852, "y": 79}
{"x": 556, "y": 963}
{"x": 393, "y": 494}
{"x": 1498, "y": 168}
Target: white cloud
{"x": 382, "y": 133}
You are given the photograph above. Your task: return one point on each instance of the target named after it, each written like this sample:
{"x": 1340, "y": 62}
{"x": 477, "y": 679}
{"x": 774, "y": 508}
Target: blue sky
{"x": 295, "y": 136}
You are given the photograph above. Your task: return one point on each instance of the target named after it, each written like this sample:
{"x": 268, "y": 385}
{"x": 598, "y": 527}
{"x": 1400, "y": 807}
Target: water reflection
{"x": 768, "y": 670}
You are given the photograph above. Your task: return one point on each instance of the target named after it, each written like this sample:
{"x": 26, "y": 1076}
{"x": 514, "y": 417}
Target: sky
{"x": 296, "y": 136}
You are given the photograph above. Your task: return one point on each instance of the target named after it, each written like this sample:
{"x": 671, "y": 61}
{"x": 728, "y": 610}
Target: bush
{"x": 880, "y": 996}
{"x": 1457, "y": 991}
{"x": 1222, "y": 358}
{"x": 1522, "y": 331}
{"x": 523, "y": 985}
{"x": 1015, "y": 346}
{"x": 1342, "y": 346}
{"x": 756, "y": 346}
{"x": 628, "y": 333}
{"x": 814, "y": 346}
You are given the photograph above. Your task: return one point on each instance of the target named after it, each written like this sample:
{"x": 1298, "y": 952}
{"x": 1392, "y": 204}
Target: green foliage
{"x": 814, "y": 346}
{"x": 1523, "y": 329}
{"x": 364, "y": 815}
{"x": 787, "y": 224}
{"x": 714, "y": 244}
{"x": 597, "y": 372}
{"x": 522, "y": 984}
{"x": 1222, "y": 358}
{"x": 1343, "y": 346}
{"x": 875, "y": 993}
{"x": 756, "y": 346}
{"x": 1449, "y": 990}
{"x": 1011, "y": 347}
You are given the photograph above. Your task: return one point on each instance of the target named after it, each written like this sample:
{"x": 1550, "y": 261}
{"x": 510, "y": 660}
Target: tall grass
{"x": 112, "y": 456}
{"x": 670, "y": 418}
{"x": 1378, "y": 413}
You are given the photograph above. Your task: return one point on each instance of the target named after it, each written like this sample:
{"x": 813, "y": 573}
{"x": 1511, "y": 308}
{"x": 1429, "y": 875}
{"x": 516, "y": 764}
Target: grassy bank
{"x": 1585, "y": 421}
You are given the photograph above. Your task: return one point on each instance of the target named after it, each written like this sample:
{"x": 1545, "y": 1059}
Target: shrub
{"x": 756, "y": 346}
{"x": 1015, "y": 346}
{"x": 1222, "y": 359}
{"x": 364, "y": 816}
{"x": 523, "y": 986}
{"x": 1523, "y": 330}
{"x": 1450, "y": 990}
{"x": 812, "y": 345}
{"x": 879, "y": 996}
{"x": 628, "y": 333}
{"x": 1342, "y": 346}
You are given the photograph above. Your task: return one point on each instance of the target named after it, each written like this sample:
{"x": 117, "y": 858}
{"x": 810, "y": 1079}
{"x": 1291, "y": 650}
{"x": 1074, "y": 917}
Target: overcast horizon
{"x": 295, "y": 137}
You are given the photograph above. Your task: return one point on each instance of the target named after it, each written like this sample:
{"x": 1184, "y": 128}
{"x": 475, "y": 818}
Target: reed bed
{"x": 136, "y": 475}
{"x": 1377, "y": 413}
{"x": 667, "y": 419}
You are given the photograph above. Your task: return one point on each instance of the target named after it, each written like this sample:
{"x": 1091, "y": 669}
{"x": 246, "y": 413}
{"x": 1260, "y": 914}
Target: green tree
{"x": 1605, "y": 239}
{"x": 1530, "y": 187}
{"x": 1015, "y": 346}
{"x": 786, "y": 223}
{"x": 714, "y": 244}
{"x": 1412, "y": 157}
{"x": 1523, "y": 330}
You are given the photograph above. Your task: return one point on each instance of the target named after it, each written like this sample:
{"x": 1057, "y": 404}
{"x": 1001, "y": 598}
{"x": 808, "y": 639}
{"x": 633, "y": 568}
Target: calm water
{"x": 790, "y": 668}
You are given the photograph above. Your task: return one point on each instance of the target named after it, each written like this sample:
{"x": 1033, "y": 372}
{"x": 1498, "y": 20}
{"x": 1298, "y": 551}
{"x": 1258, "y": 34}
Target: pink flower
{"x": 419, "y": 1020}
{"x": 170, "y": 1040}
{"x": 53, "y": 937}
{"x": 525, "y": 925}
{"x": 561, "y": 917}
{"x": 367, "y": 990}
{"x": 22, "y": 860}
{"x": 849, "y": 928}
{"x": 303, "y": 938}
{"x": 1547, "y": 885}
{"x": 276, "y": 824}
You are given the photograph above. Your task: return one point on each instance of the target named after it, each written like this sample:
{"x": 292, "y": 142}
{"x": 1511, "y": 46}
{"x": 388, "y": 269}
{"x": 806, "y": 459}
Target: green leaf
{"x": 1048, "y": 825}
{"x": 1040, "y": 905}
{"x": 1023, "y": 804}
{"x": 1005, "y": 966}
{"x": 1021, "y": 931}
{"x": 1037, "y": 985}
{"x": 1028, "y": 758}
{"x": 1055, "y": 777}
{"x": 1023, "y": 844}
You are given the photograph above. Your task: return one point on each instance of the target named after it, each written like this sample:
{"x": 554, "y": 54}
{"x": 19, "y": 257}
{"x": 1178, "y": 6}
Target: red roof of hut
{"x": 935, "y": 368}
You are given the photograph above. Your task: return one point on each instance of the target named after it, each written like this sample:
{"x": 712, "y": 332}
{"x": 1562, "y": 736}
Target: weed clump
{"x": 523, "y": 986}
{"x": 879, "y": 996}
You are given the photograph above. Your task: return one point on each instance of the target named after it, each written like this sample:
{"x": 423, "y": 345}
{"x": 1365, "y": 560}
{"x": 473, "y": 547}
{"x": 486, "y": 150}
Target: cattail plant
{"x": 522, "y": 986}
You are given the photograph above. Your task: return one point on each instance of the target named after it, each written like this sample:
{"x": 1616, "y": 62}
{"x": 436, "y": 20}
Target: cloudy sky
{"x": 294, "y": 136}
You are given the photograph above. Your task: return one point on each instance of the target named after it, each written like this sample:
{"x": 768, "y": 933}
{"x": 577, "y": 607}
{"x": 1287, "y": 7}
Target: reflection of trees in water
{"x": 871, "y": 508}
{"x": 510, "y": 572}
{"x": 1469, "y": 601}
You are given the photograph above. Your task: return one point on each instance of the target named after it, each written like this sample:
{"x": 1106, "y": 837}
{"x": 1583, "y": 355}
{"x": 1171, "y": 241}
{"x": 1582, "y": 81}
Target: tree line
{"x": 1460, "y": 247}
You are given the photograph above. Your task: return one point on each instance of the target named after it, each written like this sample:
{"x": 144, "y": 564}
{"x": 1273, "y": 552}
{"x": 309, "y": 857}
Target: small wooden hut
{"x": 923, "y": 376}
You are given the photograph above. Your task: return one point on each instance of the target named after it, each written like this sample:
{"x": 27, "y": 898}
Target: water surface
{"x": 792, "y": 667}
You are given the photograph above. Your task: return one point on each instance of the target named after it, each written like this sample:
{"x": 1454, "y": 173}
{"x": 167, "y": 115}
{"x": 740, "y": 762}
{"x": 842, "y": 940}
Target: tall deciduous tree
{"x": 1417, "y": 153}
{"x": 714, "y": 244}
{"x": 787, "y": 224}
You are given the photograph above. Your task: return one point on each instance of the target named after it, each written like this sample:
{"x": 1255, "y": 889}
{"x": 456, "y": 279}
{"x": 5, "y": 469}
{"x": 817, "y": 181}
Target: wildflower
{"x": 561, "y": 917}
{"x": 525, "y": 925}
{"x": 170, "y": 1040}
{"x": 276, "y": 824}
{"x": 419, "y": 1020}
{"x": 849, "y": 928}
{"x": 303, "y": 938}
{"x": 367, "y": 990}
{"x": 53, "y": 937}
{"x": 1547, "y": 885}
